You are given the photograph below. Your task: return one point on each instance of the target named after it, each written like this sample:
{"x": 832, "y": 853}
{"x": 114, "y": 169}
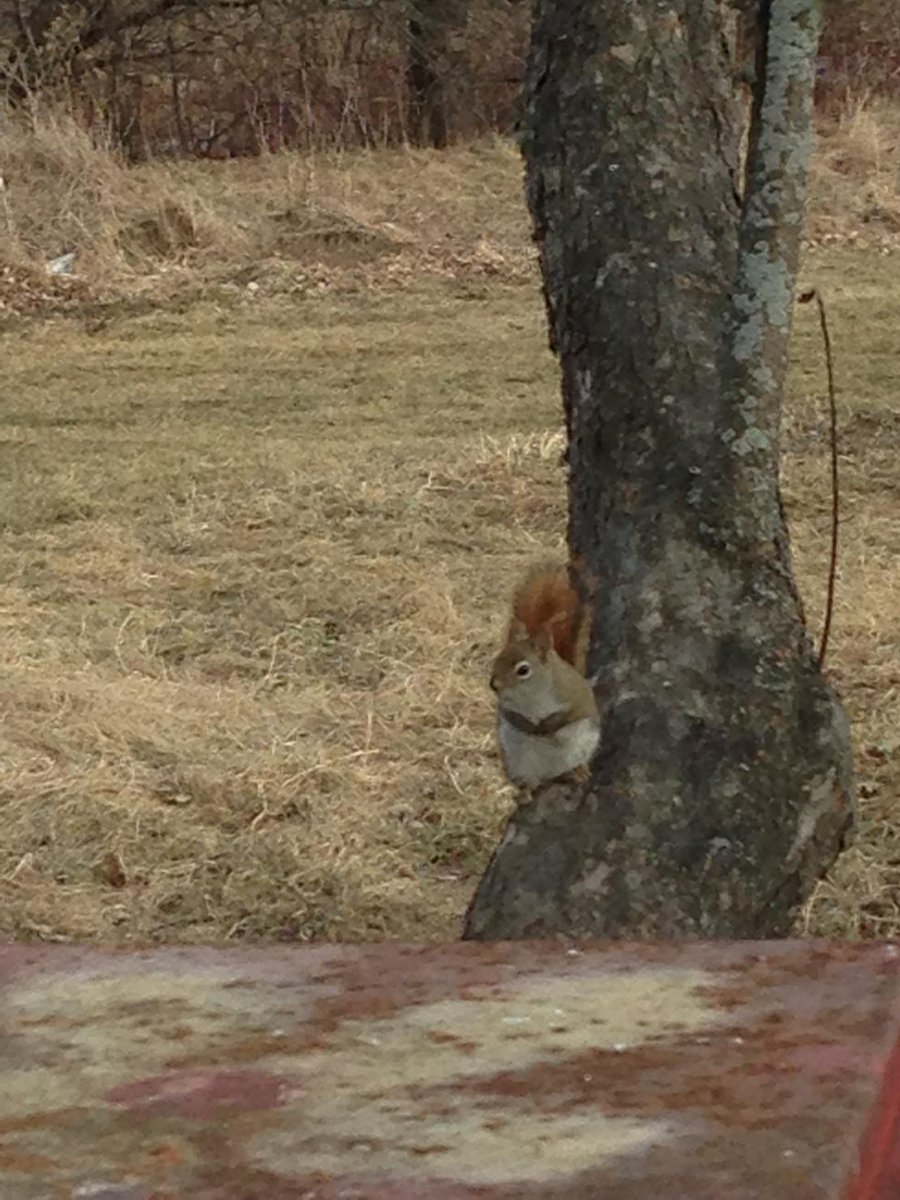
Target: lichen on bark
{"x": 769, "y": 248}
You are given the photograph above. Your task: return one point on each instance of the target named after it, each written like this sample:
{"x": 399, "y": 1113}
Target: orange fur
{"x": 546, "y": 600}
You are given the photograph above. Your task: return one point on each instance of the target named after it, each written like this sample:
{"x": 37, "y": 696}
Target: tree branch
{"x": 769, "y": 248}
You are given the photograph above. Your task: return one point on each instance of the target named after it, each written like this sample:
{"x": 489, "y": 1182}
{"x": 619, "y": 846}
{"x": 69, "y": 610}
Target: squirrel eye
{"x": 523, "y": 670}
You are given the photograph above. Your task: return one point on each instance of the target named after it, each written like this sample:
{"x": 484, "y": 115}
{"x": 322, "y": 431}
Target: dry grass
{"x": 298, "y": 224}
{"x": 251, "y": 669}
{"x": 256, "y": 545}
{"x": 855, "y": 183}
{"x": 862, "y": 895}
{"x": 277, "y": 224}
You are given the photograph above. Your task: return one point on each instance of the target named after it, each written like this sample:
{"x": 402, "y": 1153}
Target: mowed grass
{"x": 255, "y": 558}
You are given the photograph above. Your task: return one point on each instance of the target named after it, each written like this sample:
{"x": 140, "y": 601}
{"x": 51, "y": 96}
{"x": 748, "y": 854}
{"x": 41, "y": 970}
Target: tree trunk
{"x": 723, "y": 786}
{"x": 124, "y": 100}
{"x": 438, "y": 75}
{"x": 185, "y": 141}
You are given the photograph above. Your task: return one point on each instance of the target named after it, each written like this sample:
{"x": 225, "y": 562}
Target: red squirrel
{"x": 548, "y": 723}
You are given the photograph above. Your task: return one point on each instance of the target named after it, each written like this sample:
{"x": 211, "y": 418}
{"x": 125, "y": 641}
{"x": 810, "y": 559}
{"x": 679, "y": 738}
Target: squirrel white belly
{"x": 530, "y": 760}
{"x": 548, "y": 723}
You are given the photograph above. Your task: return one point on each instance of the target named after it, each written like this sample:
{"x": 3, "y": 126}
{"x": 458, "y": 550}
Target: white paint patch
{"x": 480, "y": 1138}
{"x": 387, "y": 1085}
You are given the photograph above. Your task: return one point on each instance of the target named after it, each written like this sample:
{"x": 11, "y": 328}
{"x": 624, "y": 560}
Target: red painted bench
{"x": 387, "y": 1072}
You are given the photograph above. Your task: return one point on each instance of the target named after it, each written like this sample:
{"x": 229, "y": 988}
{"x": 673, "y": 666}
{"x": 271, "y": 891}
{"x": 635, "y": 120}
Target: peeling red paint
{"x": 877, "y": 1170}
{"x": 508, "y": 1070}
{"x": 201, "y": 1094}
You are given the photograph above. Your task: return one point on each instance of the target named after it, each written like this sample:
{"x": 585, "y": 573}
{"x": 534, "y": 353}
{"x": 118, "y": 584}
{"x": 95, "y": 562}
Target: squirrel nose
{"x": 493, "y": 684}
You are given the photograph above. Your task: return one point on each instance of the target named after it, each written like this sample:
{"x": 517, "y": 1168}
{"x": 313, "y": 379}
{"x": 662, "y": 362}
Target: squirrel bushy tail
{"x": 546, "y": 599}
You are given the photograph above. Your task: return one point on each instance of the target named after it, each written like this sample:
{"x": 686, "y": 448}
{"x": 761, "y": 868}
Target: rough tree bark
{"x": 723, "y": 786}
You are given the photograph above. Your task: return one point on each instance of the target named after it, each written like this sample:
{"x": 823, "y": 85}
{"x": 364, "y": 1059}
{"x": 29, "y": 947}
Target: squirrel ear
{"x": 543, "y": 638}
{"x": 517, "y": 631}
{"x": 547, "y": 634}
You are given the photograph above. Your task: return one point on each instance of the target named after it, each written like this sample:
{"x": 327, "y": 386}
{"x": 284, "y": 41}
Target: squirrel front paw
{"x": 523, "y": 794}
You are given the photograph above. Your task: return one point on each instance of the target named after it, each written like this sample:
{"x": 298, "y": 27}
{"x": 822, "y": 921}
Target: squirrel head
{"x": 522, "y": 671}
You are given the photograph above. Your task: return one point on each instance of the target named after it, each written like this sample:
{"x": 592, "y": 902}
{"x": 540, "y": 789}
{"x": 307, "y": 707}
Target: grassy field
{"x": 255, "y": 552}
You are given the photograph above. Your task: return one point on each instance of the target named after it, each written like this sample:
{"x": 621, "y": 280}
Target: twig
{"x": 812, "y": 294}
